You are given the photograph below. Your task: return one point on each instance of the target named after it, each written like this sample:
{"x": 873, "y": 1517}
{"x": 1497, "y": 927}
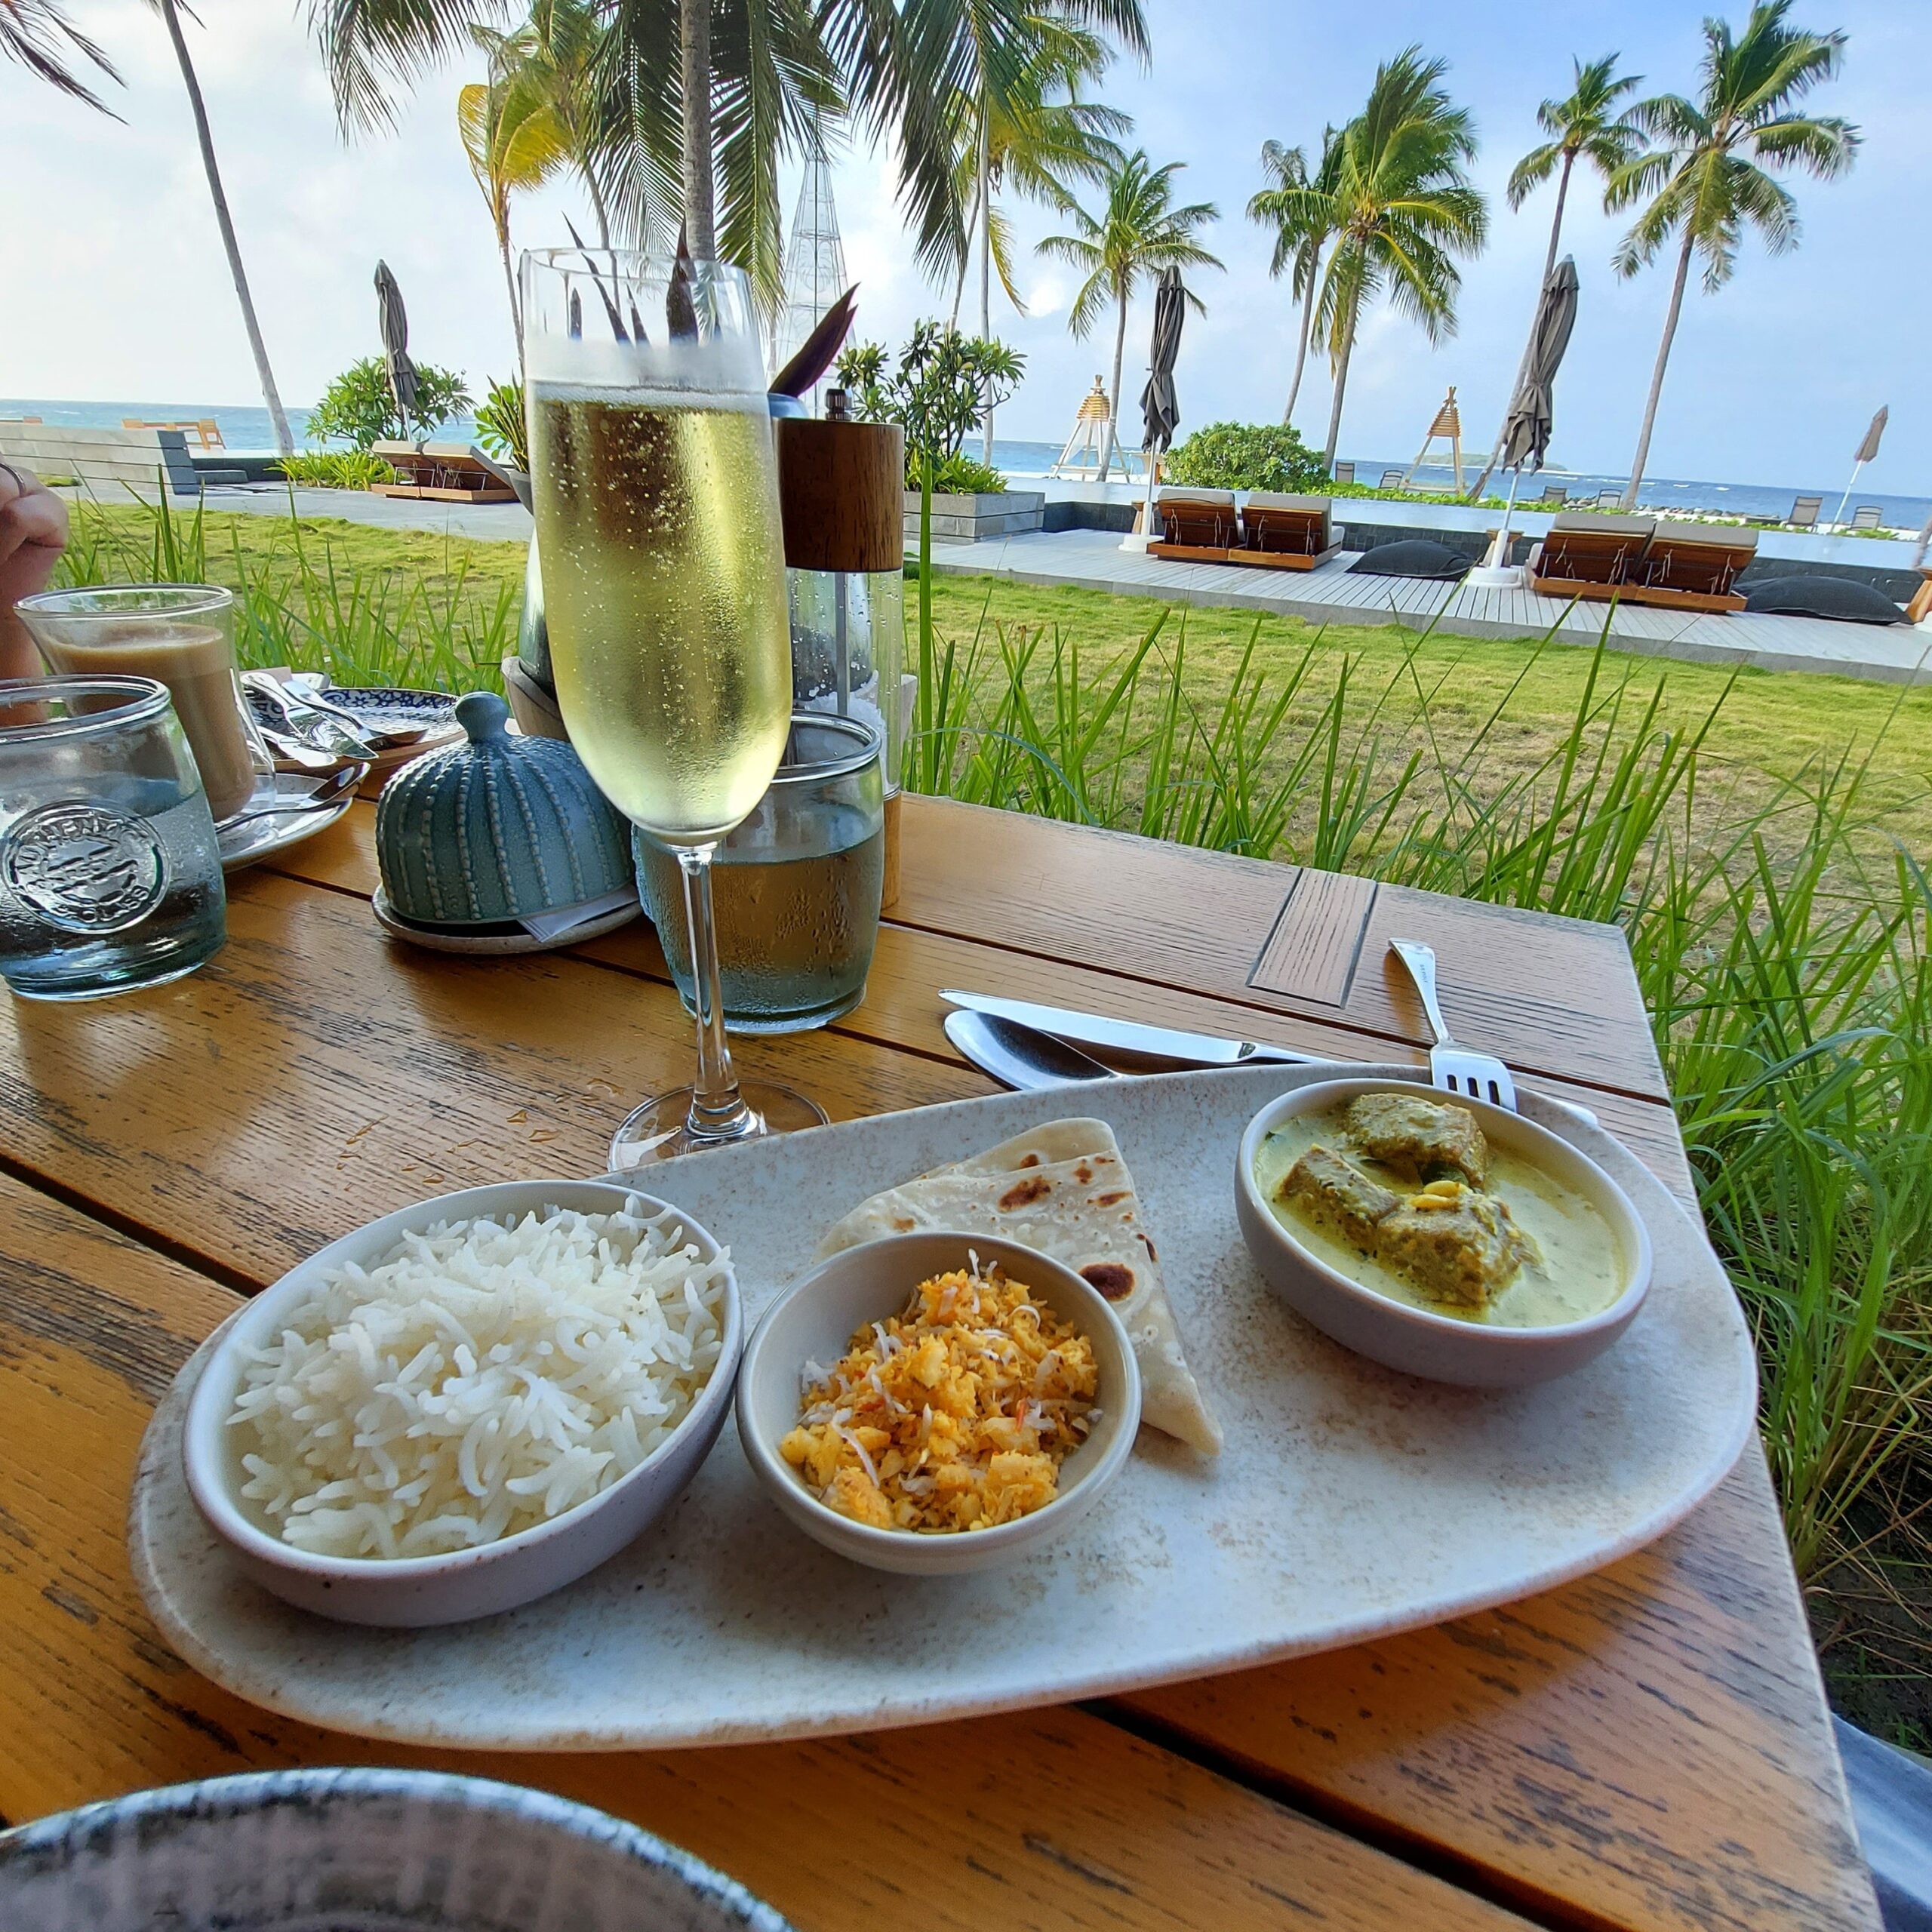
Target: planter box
{"x": 971, "y": 519}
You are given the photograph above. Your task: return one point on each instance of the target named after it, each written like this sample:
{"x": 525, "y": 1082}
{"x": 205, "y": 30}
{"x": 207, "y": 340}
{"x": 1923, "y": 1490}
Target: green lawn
{"x": 439, "y": 606}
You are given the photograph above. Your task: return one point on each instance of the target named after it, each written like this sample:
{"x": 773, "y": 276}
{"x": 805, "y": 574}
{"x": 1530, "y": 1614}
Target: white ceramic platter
{"x": 1349, "y": 1502}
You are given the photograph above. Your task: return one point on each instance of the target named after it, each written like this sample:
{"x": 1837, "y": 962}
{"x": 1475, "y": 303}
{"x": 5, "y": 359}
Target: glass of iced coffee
{"x": 183, "y": 636}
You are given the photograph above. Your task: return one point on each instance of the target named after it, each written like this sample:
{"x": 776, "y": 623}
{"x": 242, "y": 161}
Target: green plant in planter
{"x": 358, "y": 407}
{"x": 335, "y": 470}
{"x": 501, "y": 426}
{"x": 943, "y": 385}
{"x": 962, "y": 475}
{"x": 1246, "y": 456}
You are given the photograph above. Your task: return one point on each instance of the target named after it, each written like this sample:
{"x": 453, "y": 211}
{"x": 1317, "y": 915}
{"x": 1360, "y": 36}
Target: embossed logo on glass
{"x": 85, "y": 868}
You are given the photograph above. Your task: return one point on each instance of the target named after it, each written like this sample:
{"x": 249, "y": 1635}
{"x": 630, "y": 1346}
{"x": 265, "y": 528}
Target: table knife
{"x": 1130, "y": 1036}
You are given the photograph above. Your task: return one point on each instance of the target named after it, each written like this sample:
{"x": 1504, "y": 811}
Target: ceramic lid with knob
{"x": 497, "y": 827}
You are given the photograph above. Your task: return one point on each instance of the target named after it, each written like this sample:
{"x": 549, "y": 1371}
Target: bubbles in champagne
{"x": 663, "y": 576}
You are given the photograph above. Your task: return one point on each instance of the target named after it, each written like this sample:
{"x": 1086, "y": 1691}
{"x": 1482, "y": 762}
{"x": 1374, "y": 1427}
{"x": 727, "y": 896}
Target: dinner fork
{"x": 1453, "y": 1067}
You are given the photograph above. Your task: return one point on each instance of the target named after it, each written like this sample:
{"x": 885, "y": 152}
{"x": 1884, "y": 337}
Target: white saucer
{"x": 248, "y": 844}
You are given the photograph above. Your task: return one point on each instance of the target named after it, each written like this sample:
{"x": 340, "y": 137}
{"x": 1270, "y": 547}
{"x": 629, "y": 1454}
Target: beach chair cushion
{"x": 1413, "y": 557}
{"x": 1703, "y": 558}
{"x": 1587, "y": 546}
{"x": 1842, "y": 600}
{"x": 1286, "y": 524}
{"x": 1204, "y": 519}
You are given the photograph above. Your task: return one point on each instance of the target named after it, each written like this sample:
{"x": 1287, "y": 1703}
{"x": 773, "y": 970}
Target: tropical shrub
{"x": 501, "y": 426}
{"x": 357, "y": 407}
{"x": 1246, "y": 456}
{"x": 960, "y": 475}
{"x": 335, "y": 470}
{"x": 942, "y": 388}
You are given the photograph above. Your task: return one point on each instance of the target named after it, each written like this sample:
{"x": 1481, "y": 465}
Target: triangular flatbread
{"x": 1063, "y": 1190}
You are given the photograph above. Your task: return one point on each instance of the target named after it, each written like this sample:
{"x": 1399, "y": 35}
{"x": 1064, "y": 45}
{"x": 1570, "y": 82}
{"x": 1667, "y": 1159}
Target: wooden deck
{"x": 1093, "y": 560}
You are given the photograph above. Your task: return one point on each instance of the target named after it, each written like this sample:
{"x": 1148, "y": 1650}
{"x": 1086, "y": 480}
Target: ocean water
{"x": 247, "y": 430}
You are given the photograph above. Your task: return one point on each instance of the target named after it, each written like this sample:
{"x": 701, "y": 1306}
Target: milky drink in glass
{"x": 183, "y": 637}
{"x": 664, "y": 588}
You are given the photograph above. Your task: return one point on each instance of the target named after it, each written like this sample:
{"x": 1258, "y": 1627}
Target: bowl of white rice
{"x": 467, "y": 1403}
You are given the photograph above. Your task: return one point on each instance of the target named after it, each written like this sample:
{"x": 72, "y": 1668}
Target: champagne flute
{"x": 656, "y": 494}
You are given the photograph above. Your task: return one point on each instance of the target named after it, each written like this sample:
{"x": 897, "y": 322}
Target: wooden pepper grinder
{"x": 841, "y": 486}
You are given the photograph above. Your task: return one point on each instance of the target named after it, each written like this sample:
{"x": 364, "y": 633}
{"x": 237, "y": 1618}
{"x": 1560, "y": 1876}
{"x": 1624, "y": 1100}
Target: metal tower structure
{"x": 814, "y": 260}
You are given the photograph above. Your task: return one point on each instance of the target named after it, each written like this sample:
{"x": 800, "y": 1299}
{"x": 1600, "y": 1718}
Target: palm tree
{"x": 1401, "y": 209}
{"x": 1706, "y": 180}
{"x": 693, "y": 105}
{"x": 38, "y": 35}
{"x": 1586, "y": 126}
{"x": 514, "y": 142}
{"x": 1040, "y": 142}
{"x": 1138, "y": 233}
{"x": 35, "y": 33}
{"x": 558, "y": 51}
{"x": 1301, "y": 220}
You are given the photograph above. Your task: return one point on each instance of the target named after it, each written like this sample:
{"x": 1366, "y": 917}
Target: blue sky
{"x": 116, "y": 287}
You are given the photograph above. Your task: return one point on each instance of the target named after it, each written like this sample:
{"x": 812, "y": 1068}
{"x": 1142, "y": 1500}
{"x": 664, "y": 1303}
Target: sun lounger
{"x": 204, "y": 431}
{"x": 1554, "y": 498}
{"x": 1804, "y": 514}
{"x": 1868, "y": 516}
{"x": 1694, "y": 567}
{"x": 1639, "y": 560}
{"x": 1610, "y": 499}
{"x": 1343, "y": 473}
{"x": 441, "y": 472}
{"x": 1586, "y": 547}
{"x": 1197, "y": 526}
{"x": 1285, "y": 532}
{"x": 1392, "y": 479}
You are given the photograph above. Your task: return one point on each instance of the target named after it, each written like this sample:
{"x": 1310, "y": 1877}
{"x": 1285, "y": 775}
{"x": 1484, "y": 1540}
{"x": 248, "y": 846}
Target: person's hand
{"x": 33, "y": 533}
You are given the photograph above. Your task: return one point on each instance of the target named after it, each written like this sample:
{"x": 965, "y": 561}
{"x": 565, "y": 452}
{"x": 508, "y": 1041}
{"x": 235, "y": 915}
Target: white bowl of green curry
{"x": 1445, "y": 1238}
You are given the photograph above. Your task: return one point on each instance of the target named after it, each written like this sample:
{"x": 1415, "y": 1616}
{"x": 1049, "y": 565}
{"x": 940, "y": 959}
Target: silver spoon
{"x": 1019, "y": 1056}
{"x": 325, "y": 794}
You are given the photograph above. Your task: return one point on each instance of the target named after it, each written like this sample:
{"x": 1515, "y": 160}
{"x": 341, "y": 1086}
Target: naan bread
{"x": 1063, "y": 1190}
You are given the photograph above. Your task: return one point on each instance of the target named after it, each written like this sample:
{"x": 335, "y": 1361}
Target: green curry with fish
{"x": 1403, "y": 1195}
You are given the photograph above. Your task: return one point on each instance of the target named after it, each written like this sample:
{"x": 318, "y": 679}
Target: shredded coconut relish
{"x": 955, "y": 1415}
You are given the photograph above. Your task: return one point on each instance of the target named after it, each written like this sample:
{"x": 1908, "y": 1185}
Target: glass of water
{"x": 796, "y": 884}
{"x": 110, "y": 877}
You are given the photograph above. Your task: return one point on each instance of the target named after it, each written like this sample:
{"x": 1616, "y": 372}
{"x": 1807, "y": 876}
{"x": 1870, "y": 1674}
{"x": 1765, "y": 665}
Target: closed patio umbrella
{"x": 1159, "y": 408}
{"x": 1867, "y": 450}
{"x": 1532, "y": 409}
{"x": 394, "y": 324}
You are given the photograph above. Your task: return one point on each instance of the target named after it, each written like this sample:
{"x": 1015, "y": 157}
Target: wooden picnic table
{"x": 1647, "y": 1749}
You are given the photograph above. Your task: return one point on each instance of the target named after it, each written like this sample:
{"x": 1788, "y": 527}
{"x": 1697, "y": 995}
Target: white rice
{"x": 480, "y": 1378}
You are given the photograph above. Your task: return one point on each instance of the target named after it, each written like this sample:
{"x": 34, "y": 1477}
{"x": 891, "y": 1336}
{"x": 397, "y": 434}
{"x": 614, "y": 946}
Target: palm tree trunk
{"x": 597, "y": 208}
{"x": 284, "y": 443}
{"x": 984, "y": 190}
{"x": 1341, "y": 384}
{"x": 509, "y": 282}
{"x": 965, "y": 259}
{"x": 1549, "y": 264}
{"x": 1657, "y": 378}
{"x": 694, "y": 75}
{"x": 1113, "y": 406}
{"x": 1301, "y": 347}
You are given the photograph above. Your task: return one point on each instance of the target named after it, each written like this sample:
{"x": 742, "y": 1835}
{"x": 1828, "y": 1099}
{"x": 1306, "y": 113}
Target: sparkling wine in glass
{"x": 656, "y": 494}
